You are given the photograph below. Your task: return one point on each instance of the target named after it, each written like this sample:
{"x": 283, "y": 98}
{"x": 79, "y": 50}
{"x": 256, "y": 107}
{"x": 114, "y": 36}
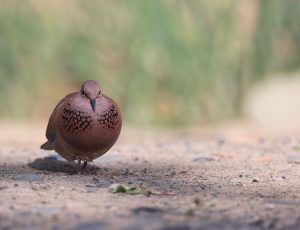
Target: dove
{"x": 84, "y": 125}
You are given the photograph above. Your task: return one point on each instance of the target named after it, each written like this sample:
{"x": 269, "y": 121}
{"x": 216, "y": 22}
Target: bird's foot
{"x": 84, "y": 169}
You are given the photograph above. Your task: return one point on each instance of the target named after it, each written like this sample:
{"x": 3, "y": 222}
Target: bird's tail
{"x": 47, "y": 146}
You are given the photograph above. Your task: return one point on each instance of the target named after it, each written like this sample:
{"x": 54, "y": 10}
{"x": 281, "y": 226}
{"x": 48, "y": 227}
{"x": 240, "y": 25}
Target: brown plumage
{"x": 84, "y": 125}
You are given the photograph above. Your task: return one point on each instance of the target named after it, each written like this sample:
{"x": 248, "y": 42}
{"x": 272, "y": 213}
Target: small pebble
{"x": 96, "y": 180}
{"x": 92, "y": 225}
{"x": 146, "y": 210}
{"x": 255, "y": 180}
{"x": 3, "y": 187}
{"x": 34, "y": 187}
{"x": 221, "y": 141}
{"x": 136, "y": 159}
{"x": 202, "y": 159}
{"x": 91, "y": 188}
{"x": 239, "y": 184}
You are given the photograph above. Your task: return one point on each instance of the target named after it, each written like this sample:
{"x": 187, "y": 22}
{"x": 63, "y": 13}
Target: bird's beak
{"x": 93, "y": 104}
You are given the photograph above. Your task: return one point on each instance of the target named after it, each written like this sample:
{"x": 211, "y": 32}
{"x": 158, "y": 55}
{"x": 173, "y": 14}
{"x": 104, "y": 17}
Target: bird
{"x": 84, "y": 125}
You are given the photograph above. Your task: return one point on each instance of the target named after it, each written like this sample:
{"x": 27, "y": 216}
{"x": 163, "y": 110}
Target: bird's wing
{"x": 51, "y": 128}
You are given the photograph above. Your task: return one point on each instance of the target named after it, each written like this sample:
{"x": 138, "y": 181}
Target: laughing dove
{"x": 84, "y": 125}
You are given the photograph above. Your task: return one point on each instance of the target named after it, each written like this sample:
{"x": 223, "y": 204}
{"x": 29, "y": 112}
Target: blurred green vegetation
{"x": 165, "y": 62}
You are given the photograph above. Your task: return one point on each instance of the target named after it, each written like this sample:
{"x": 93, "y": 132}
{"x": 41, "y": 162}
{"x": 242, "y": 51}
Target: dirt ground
{"x": 228, "y": 178}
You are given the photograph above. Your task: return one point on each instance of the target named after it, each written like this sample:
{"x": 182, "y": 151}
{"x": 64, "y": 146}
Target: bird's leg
{"x": 84, "y": 170}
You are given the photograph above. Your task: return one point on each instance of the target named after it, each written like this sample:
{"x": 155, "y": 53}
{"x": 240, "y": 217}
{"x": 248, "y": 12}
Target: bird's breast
{"x": 90, "y": 130}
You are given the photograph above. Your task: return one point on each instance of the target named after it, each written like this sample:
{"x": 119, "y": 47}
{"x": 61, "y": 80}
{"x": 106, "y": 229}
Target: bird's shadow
{"x": 56, "y": 165}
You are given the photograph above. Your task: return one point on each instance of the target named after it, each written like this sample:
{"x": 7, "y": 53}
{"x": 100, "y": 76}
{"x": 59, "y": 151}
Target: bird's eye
{"x": 82, "y": 93}
{"x": 99, "y": 92}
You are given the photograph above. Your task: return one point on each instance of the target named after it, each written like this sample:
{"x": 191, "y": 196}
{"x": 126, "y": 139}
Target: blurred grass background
{"x": 165, "y": 62}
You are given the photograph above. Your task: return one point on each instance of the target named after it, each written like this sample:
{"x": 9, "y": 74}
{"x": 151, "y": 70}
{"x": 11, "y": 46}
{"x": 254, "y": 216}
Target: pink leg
{"x": 84, "y": 170}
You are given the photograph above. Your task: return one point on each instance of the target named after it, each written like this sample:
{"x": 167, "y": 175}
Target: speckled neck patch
{"x": 74, "y": 120}
{"x": 110, "y": 118}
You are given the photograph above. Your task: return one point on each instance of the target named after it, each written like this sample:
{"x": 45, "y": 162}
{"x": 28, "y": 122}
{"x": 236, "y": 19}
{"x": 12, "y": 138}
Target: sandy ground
{"x": 218, "y": 179}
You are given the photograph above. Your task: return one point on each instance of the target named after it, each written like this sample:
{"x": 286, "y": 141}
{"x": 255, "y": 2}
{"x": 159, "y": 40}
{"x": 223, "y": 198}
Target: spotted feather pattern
{"x": 74, "y": 120}
{"x": 110, "y": 118}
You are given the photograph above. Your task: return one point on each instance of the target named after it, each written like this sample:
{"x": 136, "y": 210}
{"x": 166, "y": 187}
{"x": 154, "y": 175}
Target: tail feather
{"x": 47, "y": 146}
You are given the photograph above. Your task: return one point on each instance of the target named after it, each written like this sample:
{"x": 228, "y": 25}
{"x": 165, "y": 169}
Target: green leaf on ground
{"x": 120, "y": 188}
{"x": 296, "y": 148}
{"x": 135, "y": 190}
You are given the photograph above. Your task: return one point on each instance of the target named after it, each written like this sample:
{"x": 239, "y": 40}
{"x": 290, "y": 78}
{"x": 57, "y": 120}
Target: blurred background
{"x": 167, "y": 63}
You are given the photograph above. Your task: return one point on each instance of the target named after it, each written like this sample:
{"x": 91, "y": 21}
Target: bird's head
{"x": 91, "y": 90}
